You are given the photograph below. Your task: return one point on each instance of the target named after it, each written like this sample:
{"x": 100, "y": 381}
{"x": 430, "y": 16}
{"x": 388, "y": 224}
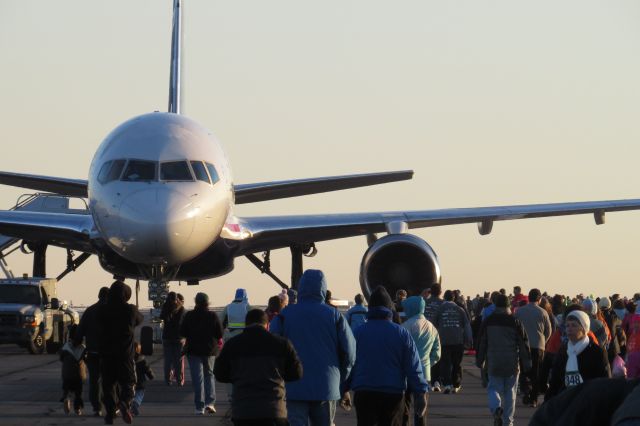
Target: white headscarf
{"x": 575, "y": 349}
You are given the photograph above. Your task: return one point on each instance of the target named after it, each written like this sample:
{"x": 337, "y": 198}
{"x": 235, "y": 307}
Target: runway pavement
{"x": 30, "y": 389}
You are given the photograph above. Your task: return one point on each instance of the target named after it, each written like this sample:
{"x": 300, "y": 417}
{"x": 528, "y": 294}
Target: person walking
{"x": 387, "y": 364}
{"x": 202, "y": 331}
{"x": 427, "y": 341}
{"x": 257, "y": 364}
{"x": 432, "y": 304}
{"x": 631, "y": 327}
{"x": 324, "y": 342}
{"x": 172, "y": 314}
{"x": 455, "y": 333}
{"x": 580, "y": 359}
{"x": 537, "y": 325}
{"x": 74, "y": 373}
{"x": 143, "y": 372}
{"x": 357, "y": 314}
{"x": 116, "y": 321}
{"x": 503, "y": 347}
{"x": 88, "y": 330}
{"x": 235, "y": 313}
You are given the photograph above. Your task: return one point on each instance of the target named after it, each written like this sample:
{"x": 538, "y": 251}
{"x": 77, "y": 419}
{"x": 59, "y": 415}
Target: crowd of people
{"x": 299, "y": 359}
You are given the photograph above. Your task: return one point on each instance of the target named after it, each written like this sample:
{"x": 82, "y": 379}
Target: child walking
{"x": 143, "y": 371}
{"x": 73, "y": 372}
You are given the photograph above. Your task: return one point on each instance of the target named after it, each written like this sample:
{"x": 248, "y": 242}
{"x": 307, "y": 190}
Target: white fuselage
{"x": 160, "y": 189}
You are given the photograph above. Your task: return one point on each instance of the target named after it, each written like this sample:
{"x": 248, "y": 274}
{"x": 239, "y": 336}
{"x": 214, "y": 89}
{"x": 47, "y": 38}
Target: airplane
{"x": 161, "y": 203}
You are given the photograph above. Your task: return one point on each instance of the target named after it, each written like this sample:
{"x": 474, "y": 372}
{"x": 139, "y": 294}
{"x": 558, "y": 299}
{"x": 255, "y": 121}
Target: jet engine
{"x": 399, "y": 261}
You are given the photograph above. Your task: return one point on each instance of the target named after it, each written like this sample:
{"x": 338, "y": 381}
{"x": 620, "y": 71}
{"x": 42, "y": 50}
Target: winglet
{"x": 176, "y": 44}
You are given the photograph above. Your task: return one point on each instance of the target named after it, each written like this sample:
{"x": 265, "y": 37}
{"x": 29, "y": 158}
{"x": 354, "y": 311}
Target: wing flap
{"x": 268, "y": 233}
{"x": 256, "y": 192}
{"x": 62, "y": 186}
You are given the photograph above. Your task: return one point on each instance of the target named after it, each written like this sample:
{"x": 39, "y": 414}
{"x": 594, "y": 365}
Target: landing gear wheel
{"x": 36, "y": 346}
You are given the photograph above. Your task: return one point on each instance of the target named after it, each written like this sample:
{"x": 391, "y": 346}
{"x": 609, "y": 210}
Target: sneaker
{"x": 78, "y": 411}
{"x": 67, "y": 406}
{"x": 497, "y": 417}
{"x": 198, "y": 412}
{"x": 456, "y": 389}
{"x": 210, "y": 409}
{"x": 533, "y": 403}
{"x": 125, "y": 412}
{"x": 436, "y": 387}
{"x": 97, "y": 413}
{"x": 448, "y": 389}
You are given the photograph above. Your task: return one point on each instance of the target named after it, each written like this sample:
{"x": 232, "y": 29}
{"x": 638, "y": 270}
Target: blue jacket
{"x": 322, "y": 339}
{"x": 387, "y": 360}
{"x": 356, "y": 316}
{"x": 425, "y": 335}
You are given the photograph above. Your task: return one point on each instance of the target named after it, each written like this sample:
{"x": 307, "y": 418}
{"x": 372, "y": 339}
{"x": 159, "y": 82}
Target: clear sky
{"x": 490, "y": 102}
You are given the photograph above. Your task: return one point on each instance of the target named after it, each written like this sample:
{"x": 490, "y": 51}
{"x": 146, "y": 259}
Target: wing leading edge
{"x": 244, "y": 193}
{"x": 268, "y": 233}
{"x": 61, "y": 229}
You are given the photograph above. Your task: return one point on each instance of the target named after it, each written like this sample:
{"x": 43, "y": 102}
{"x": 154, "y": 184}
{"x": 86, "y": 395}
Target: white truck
{"x": 32, "y": 316}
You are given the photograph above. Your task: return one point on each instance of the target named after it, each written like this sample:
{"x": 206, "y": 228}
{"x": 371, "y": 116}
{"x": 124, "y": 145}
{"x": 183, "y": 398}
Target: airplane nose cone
{"x": 158, "y": 223}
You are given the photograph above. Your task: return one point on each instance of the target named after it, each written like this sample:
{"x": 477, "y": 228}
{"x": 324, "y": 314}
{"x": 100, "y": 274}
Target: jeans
{"x": 502, "y": 393}
{"x": 173, "y": 361}
{"x": 202, "y": 379}
{"x": 138, "y": 397}
{"x": 311, "y": 413}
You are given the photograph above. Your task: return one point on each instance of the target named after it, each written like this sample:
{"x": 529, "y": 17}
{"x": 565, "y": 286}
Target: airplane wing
{"x": 244, "y": 193}
{"x": 255, "y": 192}
{"x": 62, "y": 186}
{"x": 61, "y": 229}
{"x": 269, "y": 233}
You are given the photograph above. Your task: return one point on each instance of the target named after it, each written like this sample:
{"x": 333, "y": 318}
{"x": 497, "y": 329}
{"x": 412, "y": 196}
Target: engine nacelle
{"x": 399, "y": 261}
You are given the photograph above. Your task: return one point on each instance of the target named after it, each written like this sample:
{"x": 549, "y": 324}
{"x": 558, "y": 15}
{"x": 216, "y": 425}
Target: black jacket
{"x": 503, "y": 345}
{"x": 116, "y": 321}
{"x": 172, "y": 321}
{"x": 258, "y": 363}
{"x": 202, "y": 329}
{"x": 592, "y": 363}
{"x": 143, "y": 371}
{"x": 88, "y": 328}
{"x": 597, "y": 402}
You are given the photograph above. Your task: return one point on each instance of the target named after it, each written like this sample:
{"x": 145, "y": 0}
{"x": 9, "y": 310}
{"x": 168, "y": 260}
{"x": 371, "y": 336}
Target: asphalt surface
{"x": 30, "y": 389}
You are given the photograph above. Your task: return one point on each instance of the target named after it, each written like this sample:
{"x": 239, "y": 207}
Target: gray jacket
{"x": 536, "y": 323}
{"x": 503, "y": 345}
{"x": 453, "y": 325}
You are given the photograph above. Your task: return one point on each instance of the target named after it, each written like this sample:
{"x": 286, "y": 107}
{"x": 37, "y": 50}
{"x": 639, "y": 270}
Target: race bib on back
{"x": 572, "y": 378}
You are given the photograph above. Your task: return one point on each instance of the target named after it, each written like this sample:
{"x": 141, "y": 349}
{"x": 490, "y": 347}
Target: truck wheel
{"x": 36, "y": 346}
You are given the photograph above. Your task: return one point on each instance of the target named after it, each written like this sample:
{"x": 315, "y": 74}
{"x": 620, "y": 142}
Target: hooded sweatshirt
{"x": 424, "y": 333}
{"x": 387, "y": 360}
{"x": 321, "y": 337}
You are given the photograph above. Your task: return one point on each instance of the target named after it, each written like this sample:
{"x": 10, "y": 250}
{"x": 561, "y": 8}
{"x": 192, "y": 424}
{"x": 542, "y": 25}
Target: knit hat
{"x": 590, "y": 306}
{"x": 582, "y": 318}
{"x": 605, "y": 303}
{"x": 380, "y": 297}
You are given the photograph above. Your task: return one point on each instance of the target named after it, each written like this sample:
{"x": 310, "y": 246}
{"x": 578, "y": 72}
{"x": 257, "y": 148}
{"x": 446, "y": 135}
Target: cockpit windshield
{"x": 140, "y": 171}
{"x": 23, "y": 294}
{"x": 175, "y": 171}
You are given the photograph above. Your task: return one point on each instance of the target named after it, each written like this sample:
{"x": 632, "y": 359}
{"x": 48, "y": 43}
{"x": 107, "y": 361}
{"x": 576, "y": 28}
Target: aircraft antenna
{"x": 176, "y": 44}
